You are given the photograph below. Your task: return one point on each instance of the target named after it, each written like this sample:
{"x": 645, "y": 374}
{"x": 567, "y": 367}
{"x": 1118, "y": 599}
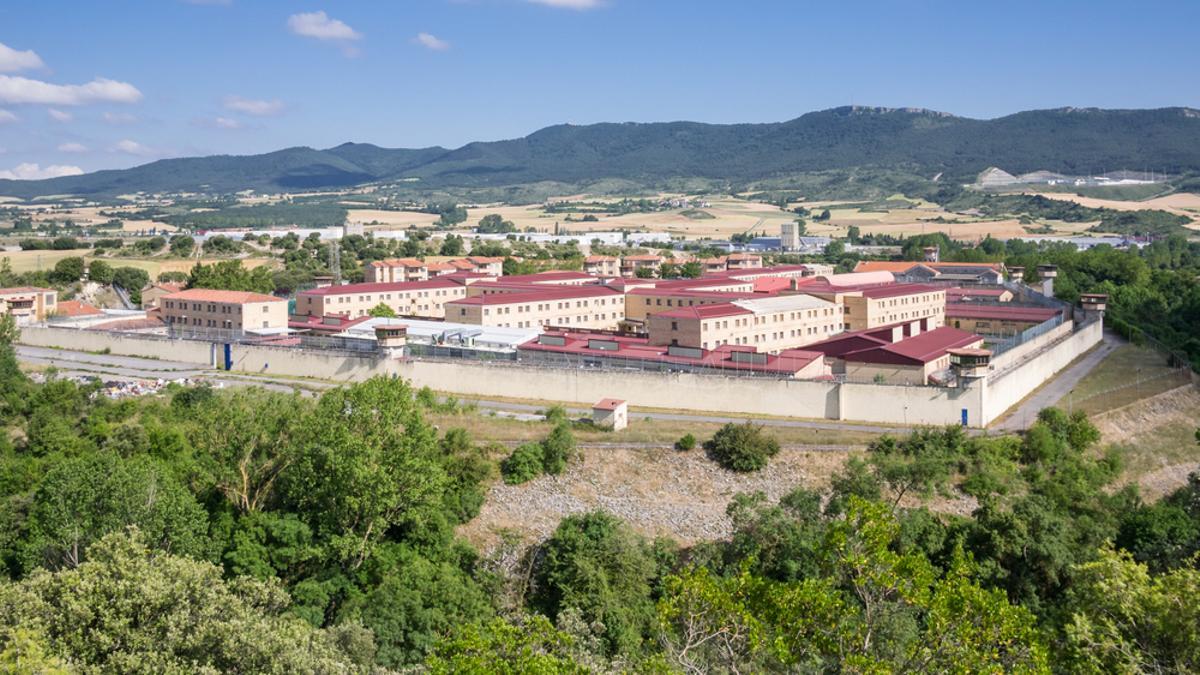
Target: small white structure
{"x": 612, "y": 413}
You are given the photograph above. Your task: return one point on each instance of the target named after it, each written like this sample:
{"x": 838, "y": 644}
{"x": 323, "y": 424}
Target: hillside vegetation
{"x": 917, "y": 143}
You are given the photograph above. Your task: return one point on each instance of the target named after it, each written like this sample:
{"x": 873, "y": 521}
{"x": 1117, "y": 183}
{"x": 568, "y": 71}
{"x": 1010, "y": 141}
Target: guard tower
{"x": 969, "y": 365}
{"x": 1093, "y": 304}
{"x": 1047, "y": 273}
{"x": 392, "y": 339}
{"x": 1016, "y": 273}
{"x": 932, "y": 253}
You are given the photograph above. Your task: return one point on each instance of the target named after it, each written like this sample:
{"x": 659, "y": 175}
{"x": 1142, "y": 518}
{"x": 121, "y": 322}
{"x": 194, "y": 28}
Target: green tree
{"x": 132, "y": 280}
{"x": 367, "y": 463}
{"x": 182, "y": 245}
{"x": 742, "y": 447}
{"x": 85, "y": 498}
{"x": 494, "y": 223}
{"x": 691, "y": 270}
{"x": 219, "y": 244}
{"x": 231, "y": 275}
{"x": 594, "y": 563}
{"x": 383, "y": 311}
{"x": 131, "y": 609}
{"x": 530, "y": 645}
{"x": 100, "y": 272}
{"x": 67, "y": 270}
{"x": 523, "y": 465}
{"x": 557, "y": 449}
{"x": 452, "y": 245}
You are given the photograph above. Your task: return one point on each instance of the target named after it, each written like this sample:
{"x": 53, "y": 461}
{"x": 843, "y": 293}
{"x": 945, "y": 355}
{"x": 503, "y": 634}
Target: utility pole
{"x": 335, "y": 262}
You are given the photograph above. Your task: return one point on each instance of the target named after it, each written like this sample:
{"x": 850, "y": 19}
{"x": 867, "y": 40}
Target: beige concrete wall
{"x": 126, "y": 344}
{"x": 289, "y": 362}
{"x": 425, "y": 302}
{"x": 1007, "y": 388}
{"x": 1018, "y": 354}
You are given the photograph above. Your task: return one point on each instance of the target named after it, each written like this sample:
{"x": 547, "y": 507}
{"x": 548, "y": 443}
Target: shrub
{"x": 558, "y": 449}
{"x": 523, "y": 465}
{"x": 687, "y": 442}
{"x": 555, "y": 414}
{"x": 742, "y": 447}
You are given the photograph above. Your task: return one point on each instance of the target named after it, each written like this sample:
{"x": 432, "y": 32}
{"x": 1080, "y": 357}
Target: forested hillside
{"x": 248, "y": 531}
{"x": 915, "y": 142}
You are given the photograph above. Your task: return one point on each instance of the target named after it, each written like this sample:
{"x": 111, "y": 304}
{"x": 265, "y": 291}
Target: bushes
{"x": 523, "y": 465}
{"x": 687, "y": 442}
{"x": 531, "y": 459}
{"x": 742, "y": 447}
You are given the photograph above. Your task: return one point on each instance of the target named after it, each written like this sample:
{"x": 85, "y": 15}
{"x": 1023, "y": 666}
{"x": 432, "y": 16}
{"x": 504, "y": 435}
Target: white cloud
{"x": 251, "y": 106}
{"x": 570, "y": 4}
{"x": 6, "y": 117}
{"x": 131, "y": 147}
{"x": 72, "y": 147}
{"x": 226, "y": 123}
{"x": 60, "y": 115}
{"x": 119, "y": 118}
{"x": 12, "y": 60}
{"x": 35, "y": 172}
{"x": 320, "y": 26}
{"x": 431, "y": 42}
{"x": 15, "y": 89}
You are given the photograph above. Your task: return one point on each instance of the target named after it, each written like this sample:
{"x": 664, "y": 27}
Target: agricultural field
{"x": 33, "y": 261}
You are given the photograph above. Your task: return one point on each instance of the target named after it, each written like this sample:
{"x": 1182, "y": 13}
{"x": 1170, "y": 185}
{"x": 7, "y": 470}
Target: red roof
{"x": 644, "y": 258}
{"x": 76, "y": 308}
{"x": 900, "y": 267}
{"x": 350, "y": 289}
{"x": 1005, "y": 312}
{"x": 23, "y": 289}
{"x": 790, "y": 361}
{"x": 921, "y": 349}
{"x": 599, "y": 259}
{"x": 214, "y": 295}
{"x": 398, "y": 262}
{"x": 608, "y": 404}
{"x": 131, "y": 324}
{"x": 537, "y": 294}
{"x": 547, "y": 277}
{"x": 975, "y": 292}
{"x": 896, "y": 290}
{"x": 484, "y": 260}
{"x": 330, "y": 323}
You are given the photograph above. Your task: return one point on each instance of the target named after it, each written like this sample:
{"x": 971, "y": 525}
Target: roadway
{"x": 1050, "y": 393}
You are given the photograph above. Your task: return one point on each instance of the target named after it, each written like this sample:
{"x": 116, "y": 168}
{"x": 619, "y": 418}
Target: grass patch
{"x": 1129, "y": 374}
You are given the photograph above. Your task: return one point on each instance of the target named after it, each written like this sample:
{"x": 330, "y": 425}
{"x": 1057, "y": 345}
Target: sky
{"x": 89, "y": 85}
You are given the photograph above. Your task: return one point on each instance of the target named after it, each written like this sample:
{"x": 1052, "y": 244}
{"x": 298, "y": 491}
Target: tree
{"x": 1122, "y": 619}
{"x": 135, "y": 610}
{"x": 182, "y": 245}
{"x": 834, "y": 250}
{"x": 67, "y": 270}
{"x": 644, "y": 273}
{"x": 494, "y": 223}
{"x": 558, "y": 449}
{"x": 100, "y": 272}
{"x": 219, "y": 244}
{"x": 742, "y": 447}
{"x": 132, "y": 280}
{"x": 691, "y": 270}
{"x": 382, "y": 311}
{"x": 231, "y": 275}
{"x": 523, "y": 465}
{"x": 452, "y": 245}
{"x": 530, "y": 645}
{"x": 854, "y": 234}
{"x": 594, "y": 563}
{"x": 367, "y": 463}
{"x": 85, "y": 498}
{"x": 823, "y": 215}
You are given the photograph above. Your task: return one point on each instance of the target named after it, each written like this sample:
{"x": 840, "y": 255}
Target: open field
{"x": 1182, "y": 203}
{"x": 1157, "y": 436}
{"x": 377, "y": 218}
{"x": 32, "y": 261}
{"x": 90, "y": 215}
{"x": 1127, "y": 375}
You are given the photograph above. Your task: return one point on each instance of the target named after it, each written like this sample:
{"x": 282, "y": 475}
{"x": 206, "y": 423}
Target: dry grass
{"x": 1129, "y": 374}
{"x": 1157, "y": 436}
{"x": 33, "y": 261}
{"x": 682, "y": 495}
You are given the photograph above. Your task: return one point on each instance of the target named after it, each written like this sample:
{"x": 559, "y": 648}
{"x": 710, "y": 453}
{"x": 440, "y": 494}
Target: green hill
{"x": 920, "y": 142}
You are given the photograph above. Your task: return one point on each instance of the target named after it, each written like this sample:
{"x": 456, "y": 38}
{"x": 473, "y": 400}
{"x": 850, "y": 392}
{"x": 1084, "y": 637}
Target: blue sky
{"x": 88, "y": 85}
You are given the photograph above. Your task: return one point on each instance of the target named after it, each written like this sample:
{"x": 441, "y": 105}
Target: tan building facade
{"x": 425, "y": 299}
{"x": 596, "y": 307}
{"x": 395, "y": 270}
{"x": 28, "y": 304}
{"x": 893, "y": 304}
{"x": 768, "y": 325}
{"x": 602, "y": 266}
{"x": 202, "y": 308}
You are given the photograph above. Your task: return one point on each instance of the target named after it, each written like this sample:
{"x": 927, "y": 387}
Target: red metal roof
{"x": 917, "y": 350}
{"x": 76, "y": 308}
{"x": 448, "y": 281}
{"x": 1005, "y": 312}
{"x": 791, "y": 361}
{"x": 547, "y": 277}
{"x": 608, "y": 404}
{"x": 897, "y": 290}
{"x": 537, "y": 294}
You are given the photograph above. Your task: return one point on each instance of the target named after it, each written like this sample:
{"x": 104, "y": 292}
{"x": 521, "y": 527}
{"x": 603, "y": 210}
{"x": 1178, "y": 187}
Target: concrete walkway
{"x": 1053, "y": 391}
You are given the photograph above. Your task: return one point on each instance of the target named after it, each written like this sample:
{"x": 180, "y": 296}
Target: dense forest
{"x": 251, "y": 531}
{"x": 916, "y": 144}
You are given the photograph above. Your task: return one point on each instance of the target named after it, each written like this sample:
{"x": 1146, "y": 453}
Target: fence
{"x": 999, "y": 345}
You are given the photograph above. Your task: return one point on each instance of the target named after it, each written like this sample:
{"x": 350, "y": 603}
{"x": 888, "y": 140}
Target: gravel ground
{"x": 658, "y": 491}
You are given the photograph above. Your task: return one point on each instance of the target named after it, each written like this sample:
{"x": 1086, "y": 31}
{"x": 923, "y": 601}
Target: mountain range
{"x": 913, "y": 140}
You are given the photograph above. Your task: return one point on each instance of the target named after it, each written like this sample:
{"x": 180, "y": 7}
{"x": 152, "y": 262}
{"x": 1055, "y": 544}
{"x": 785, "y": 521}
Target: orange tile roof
{"x": 398, "y": 262}
{"x": 76, "y": 308}
{"x": 214, "y": 295}
{"x": 599, "y": 258}
{"x": 439, "y": 267}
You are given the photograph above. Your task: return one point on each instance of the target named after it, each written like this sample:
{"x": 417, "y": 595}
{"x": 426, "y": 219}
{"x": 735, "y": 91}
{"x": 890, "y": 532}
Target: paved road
{"x": 1053, "y": 391}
